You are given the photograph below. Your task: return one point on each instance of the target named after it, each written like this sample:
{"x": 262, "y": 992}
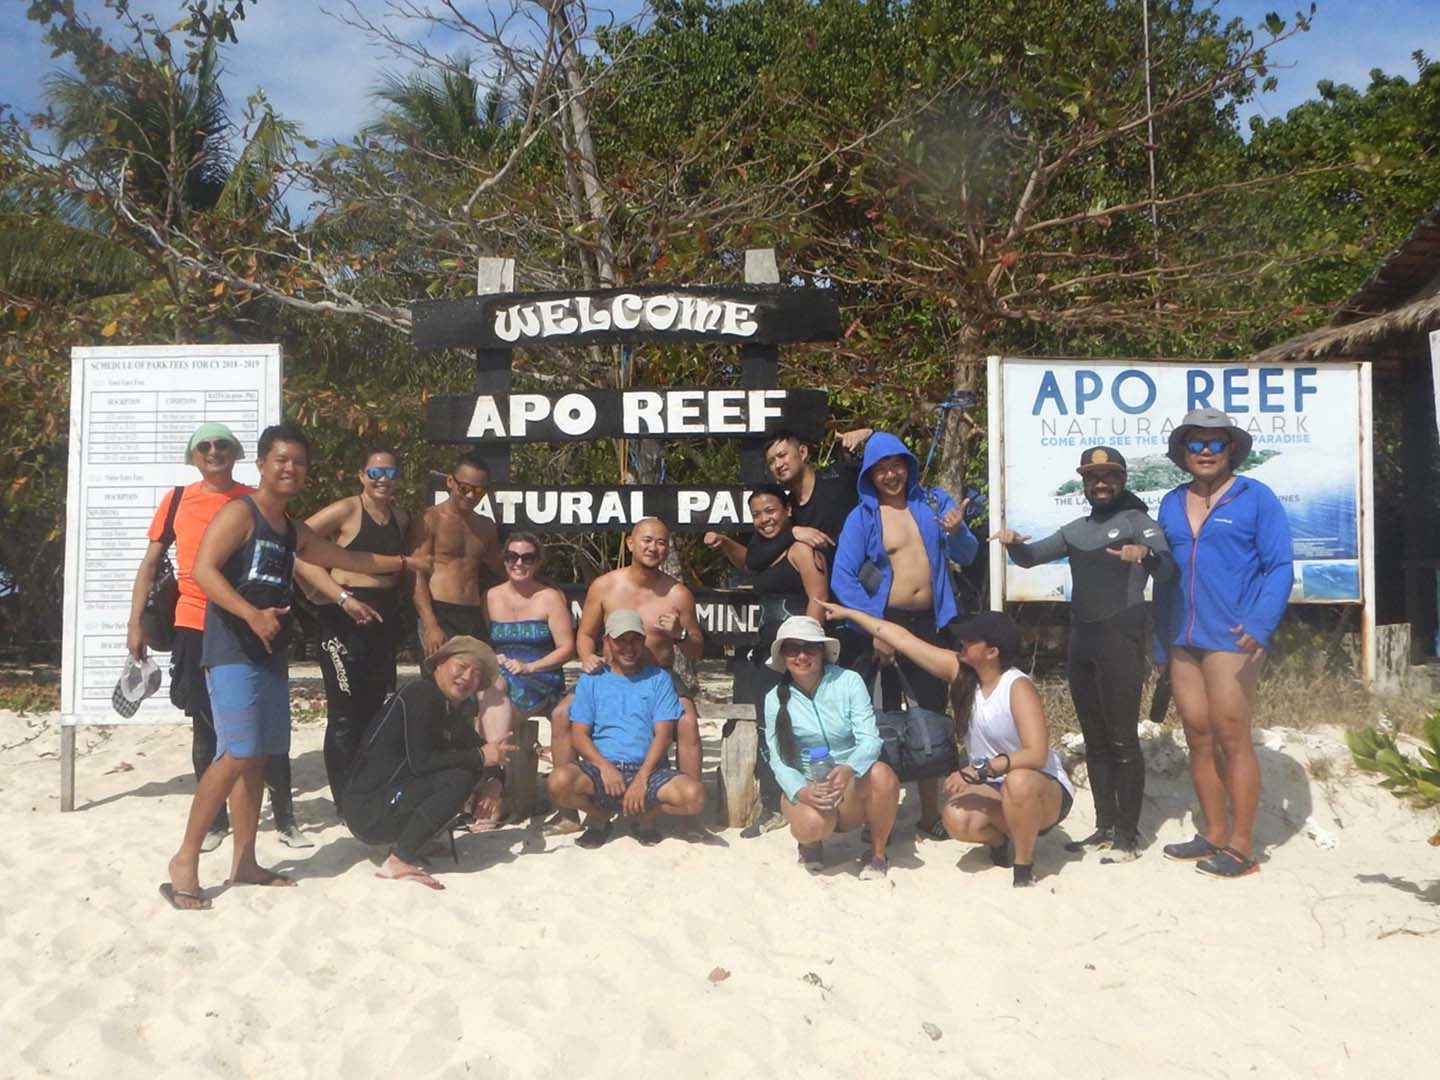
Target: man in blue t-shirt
{"x": 622, "y": 722}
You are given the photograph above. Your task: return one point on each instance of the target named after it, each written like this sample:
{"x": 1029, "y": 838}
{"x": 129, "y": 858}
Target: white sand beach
{"x": 541, "y": 959}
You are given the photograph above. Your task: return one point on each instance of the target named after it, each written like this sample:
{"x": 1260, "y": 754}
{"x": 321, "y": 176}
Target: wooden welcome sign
{"x": 736, "y": 314}
{"x": 757, "y": 317}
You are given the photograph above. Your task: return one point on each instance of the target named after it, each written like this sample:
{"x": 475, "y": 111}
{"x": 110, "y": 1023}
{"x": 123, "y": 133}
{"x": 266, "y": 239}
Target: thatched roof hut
{"x": 1388, "y": 321}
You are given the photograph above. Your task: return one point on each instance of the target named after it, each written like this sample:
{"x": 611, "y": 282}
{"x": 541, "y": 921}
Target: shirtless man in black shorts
{"x": 466, "y": 552}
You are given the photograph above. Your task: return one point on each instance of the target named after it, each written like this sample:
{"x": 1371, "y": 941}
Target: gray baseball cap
{"x": 622, "y": 622}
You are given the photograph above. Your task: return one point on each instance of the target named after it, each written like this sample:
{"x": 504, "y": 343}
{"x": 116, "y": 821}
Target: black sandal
{"x": 595, "y": 836}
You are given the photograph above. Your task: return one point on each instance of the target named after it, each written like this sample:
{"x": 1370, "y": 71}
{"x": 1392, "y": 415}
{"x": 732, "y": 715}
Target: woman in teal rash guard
{"x": 823, "y": 707}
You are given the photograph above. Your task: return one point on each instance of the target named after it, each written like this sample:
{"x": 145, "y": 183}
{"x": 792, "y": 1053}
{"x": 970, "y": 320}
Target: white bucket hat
{"x": 801, "y": 628}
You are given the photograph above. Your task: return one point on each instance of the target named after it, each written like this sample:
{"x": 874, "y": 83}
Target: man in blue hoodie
{"x": 892, "y": 561}
{"x": 1231, "y": 541}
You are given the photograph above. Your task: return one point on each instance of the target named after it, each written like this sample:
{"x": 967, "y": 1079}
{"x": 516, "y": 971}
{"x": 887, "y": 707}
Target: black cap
{"x": 992, "y": 627}
{"x": 1101, "y": 457}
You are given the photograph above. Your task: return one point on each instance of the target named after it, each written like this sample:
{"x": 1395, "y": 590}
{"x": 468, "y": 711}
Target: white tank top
{"x": 993, "y": 731}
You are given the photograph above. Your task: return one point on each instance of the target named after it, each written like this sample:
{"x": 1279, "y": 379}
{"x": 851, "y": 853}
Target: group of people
{"x": 852, "y": 569}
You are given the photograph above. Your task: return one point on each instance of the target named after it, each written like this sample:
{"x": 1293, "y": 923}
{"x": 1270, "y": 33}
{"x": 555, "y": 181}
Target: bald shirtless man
{"x": 668, "y": 611}
{"x": 466, "y": 552}
{"x": 890, "y": 562}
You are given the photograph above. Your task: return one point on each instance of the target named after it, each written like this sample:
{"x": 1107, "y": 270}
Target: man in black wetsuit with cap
{"x": 1112, "y": 550}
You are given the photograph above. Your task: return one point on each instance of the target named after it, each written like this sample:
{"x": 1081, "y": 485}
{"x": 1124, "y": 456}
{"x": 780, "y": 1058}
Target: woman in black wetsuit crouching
{"x": 421, "y": 758}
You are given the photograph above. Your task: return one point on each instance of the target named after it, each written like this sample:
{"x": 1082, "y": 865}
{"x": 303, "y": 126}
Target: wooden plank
{"x": 760, "y": 367}
{"x": 738, "y": 794}
{"x": 578, "y": 416}
{"x": 522, "y": 774}
{"x": 571, "y": 508}
{"x": 67, "y": 768}
{"x": 493, "y": 366}
{"x": 737, "y": 314}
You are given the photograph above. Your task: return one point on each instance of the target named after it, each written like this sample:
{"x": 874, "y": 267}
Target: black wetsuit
{"x": 358, "y": 661}
{"x": 1109, "y": 660}
{"x": 419, "y": 761}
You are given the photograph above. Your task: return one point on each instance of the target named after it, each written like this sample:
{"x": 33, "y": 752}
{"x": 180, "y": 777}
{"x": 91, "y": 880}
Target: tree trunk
{"x": 959, "y": 433}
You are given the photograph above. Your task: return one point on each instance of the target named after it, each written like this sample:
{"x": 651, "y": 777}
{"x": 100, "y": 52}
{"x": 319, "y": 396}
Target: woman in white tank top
{"x": 1014, "y": 790}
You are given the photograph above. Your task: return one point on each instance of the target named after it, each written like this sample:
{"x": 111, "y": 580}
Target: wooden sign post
{"x": 758, "y": 317}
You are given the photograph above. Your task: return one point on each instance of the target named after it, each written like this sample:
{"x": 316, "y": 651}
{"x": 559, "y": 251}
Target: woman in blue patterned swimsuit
{"x": 533, "y": 636}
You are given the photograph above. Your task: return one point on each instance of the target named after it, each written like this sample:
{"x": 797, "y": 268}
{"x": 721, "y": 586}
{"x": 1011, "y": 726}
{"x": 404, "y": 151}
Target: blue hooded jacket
{"x": 1237, "y": 572}
{"x": 860, "y": 538}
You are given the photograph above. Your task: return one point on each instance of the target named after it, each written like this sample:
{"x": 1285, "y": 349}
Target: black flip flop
{"x": 595, "y": 836}
{"x": 647, "y": 837}
{"x": 172, "y": 895}
{"x": 1227, "y": 863}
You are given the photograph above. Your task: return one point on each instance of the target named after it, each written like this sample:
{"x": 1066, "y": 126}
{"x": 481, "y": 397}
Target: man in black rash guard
{"x": 1112, "y": 550}
{"x": 821, "y": 501}
{"x": 421, "y": 759}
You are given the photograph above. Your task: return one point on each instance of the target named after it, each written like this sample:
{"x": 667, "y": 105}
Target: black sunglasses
{"x": 222, "y": 446}
{"x": 525, "y": 558}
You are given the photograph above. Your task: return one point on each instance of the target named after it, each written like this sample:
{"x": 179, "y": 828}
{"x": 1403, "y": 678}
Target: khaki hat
{"x": 213, "y": 430}
{"x": 471, "y": 648}
{"x": 1240, "y": 440}
{"x": 801, "y": 628}
{"x": 622, "y": 622}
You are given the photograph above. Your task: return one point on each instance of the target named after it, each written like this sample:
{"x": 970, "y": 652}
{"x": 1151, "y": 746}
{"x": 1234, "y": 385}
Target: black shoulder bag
{"x": 918, "y": 743}
{"x": 157, "y": 618}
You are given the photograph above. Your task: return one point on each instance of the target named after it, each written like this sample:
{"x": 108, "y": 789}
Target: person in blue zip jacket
{"x": 1231, "y": 541}
{"x": 891, "y": 561}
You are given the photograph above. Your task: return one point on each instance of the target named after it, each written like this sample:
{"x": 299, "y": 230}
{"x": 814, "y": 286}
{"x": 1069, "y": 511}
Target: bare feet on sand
{"x": 252, "y": 873}
{"x": 395, "y": 868}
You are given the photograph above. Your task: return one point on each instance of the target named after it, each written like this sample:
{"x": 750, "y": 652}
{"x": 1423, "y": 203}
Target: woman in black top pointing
{"x": 1112, "y": 551}
{"x": 359, "y": 613}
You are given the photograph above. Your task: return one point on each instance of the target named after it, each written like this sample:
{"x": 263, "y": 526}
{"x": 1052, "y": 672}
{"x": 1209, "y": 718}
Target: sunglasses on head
{"x": 796, "y": 648}
{"x": 471, "y": 491}
{"x": 382, "y": 472}
{"x": 524, "y": 558}
{"x": 222, "y": 446}
{"x": 1199, "y": 446}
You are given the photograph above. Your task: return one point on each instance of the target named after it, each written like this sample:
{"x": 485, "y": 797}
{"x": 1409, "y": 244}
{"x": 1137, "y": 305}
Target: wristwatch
{"x": 345, "y": 594}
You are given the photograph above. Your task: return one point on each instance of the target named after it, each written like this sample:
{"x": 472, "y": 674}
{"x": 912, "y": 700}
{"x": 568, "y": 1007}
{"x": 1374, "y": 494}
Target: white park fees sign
{"x": 132, "y": 410}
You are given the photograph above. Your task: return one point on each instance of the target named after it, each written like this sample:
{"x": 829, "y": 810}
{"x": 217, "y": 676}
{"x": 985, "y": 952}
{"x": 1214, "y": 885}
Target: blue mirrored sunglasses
{"x": 382, "y": 472}
{"x": 1215, "y": 446}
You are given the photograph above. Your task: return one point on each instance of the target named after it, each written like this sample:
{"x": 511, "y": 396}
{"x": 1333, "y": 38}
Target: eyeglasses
{"x": 798, "y": 648}
{"x": 221, "y": 446}
{"x": 470, "y": 491}
{"x": 524, "y": 558}
{"x": 382, "y": 472}
{"x": 1199, "y": 446}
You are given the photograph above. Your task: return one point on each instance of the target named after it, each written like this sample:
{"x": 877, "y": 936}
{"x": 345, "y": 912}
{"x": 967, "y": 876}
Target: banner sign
{"x": 1305, "y": 422}
{"x": 132, "y": 410}
{"x": 738, "y": 314}
{"x": 617, "y": 508}
{"x": 606, "y": 414}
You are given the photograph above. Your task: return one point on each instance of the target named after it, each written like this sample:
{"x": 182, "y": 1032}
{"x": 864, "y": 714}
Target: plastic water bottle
{"x": 818, "y": 764}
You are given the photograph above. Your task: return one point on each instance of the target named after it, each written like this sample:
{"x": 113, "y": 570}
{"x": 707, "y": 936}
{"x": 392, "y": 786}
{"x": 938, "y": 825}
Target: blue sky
{"x": 318, "y": 72}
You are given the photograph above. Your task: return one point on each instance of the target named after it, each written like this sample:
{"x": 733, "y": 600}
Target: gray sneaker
{"x": 291, "y": 836}
{"x": 214, "y": 838}
{"x": 768, "y": 821}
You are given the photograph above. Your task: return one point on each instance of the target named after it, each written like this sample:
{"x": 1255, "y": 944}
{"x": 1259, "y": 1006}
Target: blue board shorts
{"x": 658, "y": 779}
{"x": 251, "y": 707}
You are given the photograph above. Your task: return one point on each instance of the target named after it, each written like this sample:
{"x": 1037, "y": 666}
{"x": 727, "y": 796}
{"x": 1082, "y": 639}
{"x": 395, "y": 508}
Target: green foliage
{"x": 1416, "y": 782}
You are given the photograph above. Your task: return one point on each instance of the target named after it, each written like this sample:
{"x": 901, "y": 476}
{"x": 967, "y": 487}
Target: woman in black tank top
{"x": 789, "y": 578}
{"x": 359, "y": 623}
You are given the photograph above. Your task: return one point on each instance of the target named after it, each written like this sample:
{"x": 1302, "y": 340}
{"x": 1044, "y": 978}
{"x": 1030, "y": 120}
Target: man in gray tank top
{"x": 245, "y": 566}
{"x": 1112, "y": 550}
